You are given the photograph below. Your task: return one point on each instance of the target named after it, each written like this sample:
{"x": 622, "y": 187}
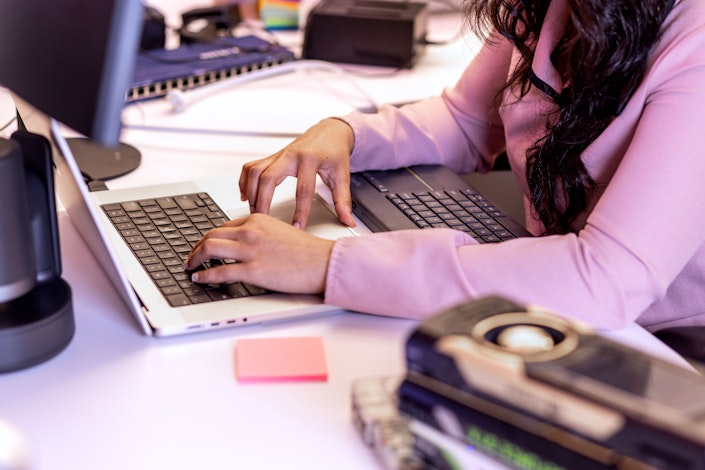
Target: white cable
{"x": 193, "y": 130}
{"x": 179, "y": 100}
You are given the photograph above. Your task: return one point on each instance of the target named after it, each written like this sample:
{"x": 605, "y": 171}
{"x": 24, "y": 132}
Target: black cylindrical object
{"x": 17, "y": 263}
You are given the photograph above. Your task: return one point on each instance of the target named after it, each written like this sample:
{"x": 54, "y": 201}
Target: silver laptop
{"x": 139, "y": 287}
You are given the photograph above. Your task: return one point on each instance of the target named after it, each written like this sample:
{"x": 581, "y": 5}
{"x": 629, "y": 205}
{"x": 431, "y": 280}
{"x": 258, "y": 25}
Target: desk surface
{"x": 115, "y": 399}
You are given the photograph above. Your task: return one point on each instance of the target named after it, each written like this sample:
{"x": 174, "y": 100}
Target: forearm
{"x": 420, "y": 133}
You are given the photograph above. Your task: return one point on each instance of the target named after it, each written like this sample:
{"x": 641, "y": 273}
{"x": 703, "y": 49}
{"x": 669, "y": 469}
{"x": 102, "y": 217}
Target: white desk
{"x": 115, "y": 399}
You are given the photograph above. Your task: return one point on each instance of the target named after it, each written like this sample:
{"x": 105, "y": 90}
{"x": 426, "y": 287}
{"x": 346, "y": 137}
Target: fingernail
{"x": 194, "y": 277}
{"x": 297, "y": 225}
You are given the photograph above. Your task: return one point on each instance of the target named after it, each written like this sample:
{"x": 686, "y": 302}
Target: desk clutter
{"x": 379, "y": 33}
{"x": 192, "y": 65}
{"x": 531, "y": 391}
{"x": 208, "y": 51}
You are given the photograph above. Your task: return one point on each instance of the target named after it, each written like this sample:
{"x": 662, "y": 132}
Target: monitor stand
{"x": 104, "y": 163}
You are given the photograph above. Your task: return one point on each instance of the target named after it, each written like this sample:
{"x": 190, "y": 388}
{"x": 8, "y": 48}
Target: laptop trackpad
{"x": 322, "y": 220}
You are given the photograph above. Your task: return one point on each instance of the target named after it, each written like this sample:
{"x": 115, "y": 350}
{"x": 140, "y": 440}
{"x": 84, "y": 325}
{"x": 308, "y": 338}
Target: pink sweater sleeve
{"x": 460, "y": 129}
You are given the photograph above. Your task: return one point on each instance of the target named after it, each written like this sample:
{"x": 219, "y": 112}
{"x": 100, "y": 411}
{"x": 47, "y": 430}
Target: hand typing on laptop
{"x": 270, "y": 253}
{"x": 324, "y": 150}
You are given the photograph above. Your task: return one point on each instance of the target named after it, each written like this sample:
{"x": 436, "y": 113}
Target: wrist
{"x": 343, "y": 128}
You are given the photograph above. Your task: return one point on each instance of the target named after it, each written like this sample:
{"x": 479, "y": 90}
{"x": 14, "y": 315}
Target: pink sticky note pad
{"x": 280, "y": 359}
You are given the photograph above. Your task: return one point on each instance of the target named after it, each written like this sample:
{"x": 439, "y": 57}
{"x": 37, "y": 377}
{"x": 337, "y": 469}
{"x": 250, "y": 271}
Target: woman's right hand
{"x": 324, "y": 149}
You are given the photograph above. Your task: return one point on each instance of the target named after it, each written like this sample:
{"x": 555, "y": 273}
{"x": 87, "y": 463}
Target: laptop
{"x": 142, "y": 290}
{"x": 429, "y": 196}
{"x": 100, "y": 216}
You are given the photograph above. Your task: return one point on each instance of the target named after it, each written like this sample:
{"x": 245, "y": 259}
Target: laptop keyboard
{"x": 464, "y": 210}
{"x": 162, "y": 232}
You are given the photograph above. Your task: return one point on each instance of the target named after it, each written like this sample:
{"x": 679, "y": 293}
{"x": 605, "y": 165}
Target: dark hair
{"x": 602, "y": 57}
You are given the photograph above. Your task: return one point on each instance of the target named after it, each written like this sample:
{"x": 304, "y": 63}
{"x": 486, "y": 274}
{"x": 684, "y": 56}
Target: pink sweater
{"x": 639, "y": 254}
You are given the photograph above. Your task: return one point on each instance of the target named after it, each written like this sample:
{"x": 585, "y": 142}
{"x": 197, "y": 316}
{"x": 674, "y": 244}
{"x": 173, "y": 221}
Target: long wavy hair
{"x": 601, "y": 57}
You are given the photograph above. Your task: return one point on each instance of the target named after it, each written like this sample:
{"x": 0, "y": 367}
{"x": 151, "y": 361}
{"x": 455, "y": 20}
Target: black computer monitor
{"x": 73, "y": 60}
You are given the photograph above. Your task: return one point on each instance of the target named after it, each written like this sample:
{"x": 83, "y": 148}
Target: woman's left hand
{"x": 271, "y": 254}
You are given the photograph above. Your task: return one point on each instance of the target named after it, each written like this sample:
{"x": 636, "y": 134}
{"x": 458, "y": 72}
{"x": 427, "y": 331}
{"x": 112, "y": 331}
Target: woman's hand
{"x": 271, "y": 254}
{"x": 324, "y": 149}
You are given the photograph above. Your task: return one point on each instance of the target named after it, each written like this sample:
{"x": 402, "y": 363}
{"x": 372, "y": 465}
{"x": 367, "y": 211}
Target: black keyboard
{"x": 464, "y": 210}
{"x": 162, "y": 232}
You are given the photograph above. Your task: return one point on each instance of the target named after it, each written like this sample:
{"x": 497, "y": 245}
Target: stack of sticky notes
{"x": 280, "y": 359}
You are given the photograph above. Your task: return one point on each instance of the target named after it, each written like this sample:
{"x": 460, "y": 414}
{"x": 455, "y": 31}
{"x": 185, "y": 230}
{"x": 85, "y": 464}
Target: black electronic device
{"x": 36, "y": 310}
{"x": 426, "y": 197}
{"x": 153, "y": 29}
{"x": 18, "y": 274}
{"x": 368, "y": 32}
{"x": 207, "y": 23}
{"x": 409, "y": 427}
{"x": 554, "y": 382}
{"x": 160, "y": 71}
{"x": 72, "y": 64}
{"x": 376, "y": 417}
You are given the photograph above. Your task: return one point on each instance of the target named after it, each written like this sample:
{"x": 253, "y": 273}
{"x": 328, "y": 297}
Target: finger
{"x": 269, "y": 179}
{"x": 249, "y": 179}
{"x": 229, "y": 224}
{"x": 305, "y": 189}
{"x": 243, "y": 182}
{"x": 221, "y": 232}
{"x": 258, "y": 180}
{"x": 201, "y": 241}
{"x": 343, "y": 208}
{"x": 219, "y": 274}
{"x": 213, "y": 248}
{"x": 342, "y": 200}
{"x": 226, "y": 232}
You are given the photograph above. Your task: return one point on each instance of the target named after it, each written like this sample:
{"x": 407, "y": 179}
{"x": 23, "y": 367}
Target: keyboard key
{"x": 131, "y": 206}
{"x": 178, "y": 300}
{"x": 166, "y": 203}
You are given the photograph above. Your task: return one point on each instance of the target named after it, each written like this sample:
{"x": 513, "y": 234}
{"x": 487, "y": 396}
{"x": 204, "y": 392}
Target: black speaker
{"x": 368, "y": 32}
{"x": 36, "y": 308}
{"x": 18, "y": 271}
